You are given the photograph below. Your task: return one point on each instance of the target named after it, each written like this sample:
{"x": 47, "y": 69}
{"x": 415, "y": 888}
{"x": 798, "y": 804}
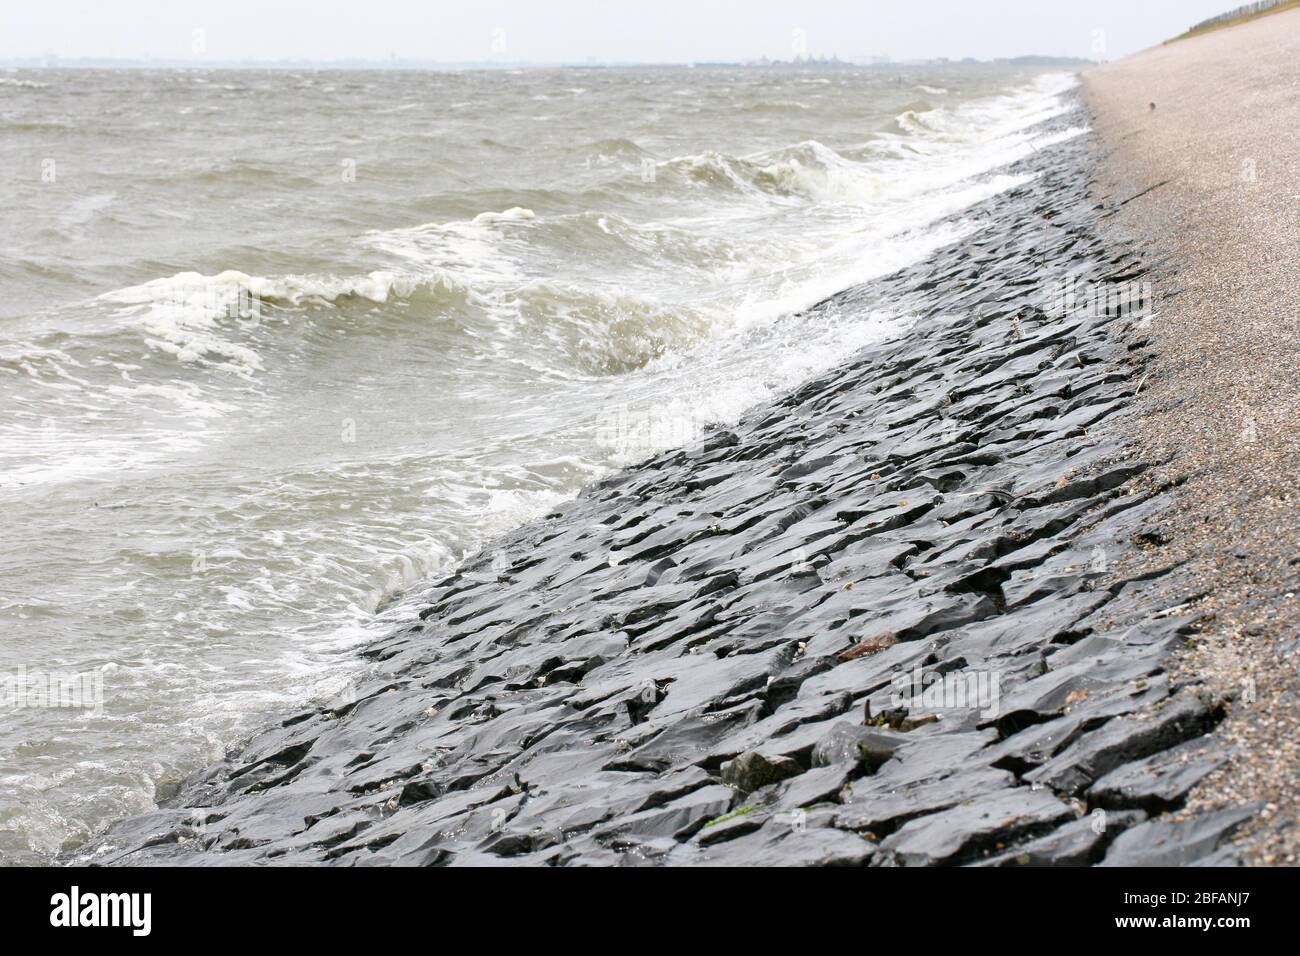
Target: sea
{"x": 278, "y": 346}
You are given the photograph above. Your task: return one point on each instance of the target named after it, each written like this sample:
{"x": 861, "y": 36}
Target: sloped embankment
{"x": 953, "y": 502}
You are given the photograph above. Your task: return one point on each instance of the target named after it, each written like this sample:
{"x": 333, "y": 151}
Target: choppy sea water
{"x": 277, "y": 346}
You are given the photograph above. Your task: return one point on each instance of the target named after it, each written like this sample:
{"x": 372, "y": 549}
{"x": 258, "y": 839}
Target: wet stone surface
{"x": 697, "y": 661}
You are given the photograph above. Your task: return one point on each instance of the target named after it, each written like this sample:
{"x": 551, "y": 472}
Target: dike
{"x": 713, "y": 657}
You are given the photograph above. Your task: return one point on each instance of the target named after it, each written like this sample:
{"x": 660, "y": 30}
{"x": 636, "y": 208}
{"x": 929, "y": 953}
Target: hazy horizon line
{"x": 55, "y": 61}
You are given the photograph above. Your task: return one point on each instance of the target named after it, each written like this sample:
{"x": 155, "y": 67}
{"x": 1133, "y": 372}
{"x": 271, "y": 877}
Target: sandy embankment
{"x": 1220, "y": 154}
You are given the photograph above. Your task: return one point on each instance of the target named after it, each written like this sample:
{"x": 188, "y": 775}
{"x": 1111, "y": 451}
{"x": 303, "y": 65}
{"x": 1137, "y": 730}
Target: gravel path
{"x": 1214, "y": 169}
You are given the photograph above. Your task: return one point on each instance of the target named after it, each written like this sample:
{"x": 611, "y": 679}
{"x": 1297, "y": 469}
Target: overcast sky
{"x": 573, "y": 31}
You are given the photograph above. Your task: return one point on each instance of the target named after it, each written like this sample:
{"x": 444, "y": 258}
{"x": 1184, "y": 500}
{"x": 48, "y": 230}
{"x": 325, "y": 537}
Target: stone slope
{"x": 694, "y": 661}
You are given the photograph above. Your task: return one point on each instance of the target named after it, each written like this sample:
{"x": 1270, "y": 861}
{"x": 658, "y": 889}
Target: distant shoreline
{"x": 884, "y": 63}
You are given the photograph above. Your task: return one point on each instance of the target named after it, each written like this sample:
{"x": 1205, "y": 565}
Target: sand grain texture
{"x": 1212, "y": 169}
